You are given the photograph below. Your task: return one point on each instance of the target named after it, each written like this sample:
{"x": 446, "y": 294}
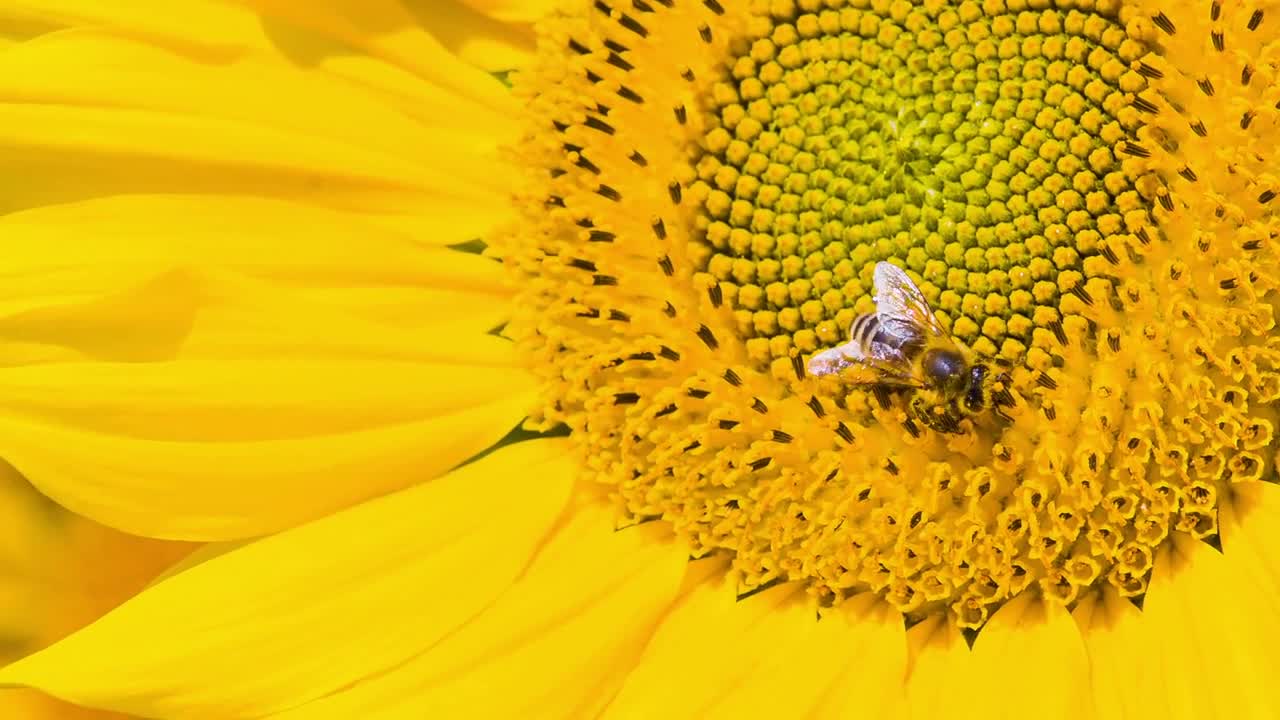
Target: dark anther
{"x": 596, "y": 123}
{"x": 1252, "y": 245}
{"x": 797, "y": 367}
{"x": 664, "y": 262}
{"x": 692, "y": 446}
{"x": 1267, "y": 196}
{"x": 732, "y": 378}
{"x": 617, "y": 61}
{"x": 667, "y": 3}
{"x": 1198, "y": 128}
{"x": 587, "y": 165}
{"x": 881, "y": 394}
{"x": 816, "y": 406}
{"x": 578, "y": 47}
{"x": 555, "y": 201}
{"x": 645, "y": 356}
{"x": 593, "y": 78}
{"x": 668, "y": 353}
{"x": 625, "y": 398}
{"x": 782, "y": 437}
{"x": 1188, "y": 173}
{"x": 1206, "y": 86}
{"x": 716, "y": 295}
{"x": 603, "y": 7}
{"x": 714, "y": 6}
{"x": 864, "y": 494}
{"x": 642, "y": 6}
{"x": 1058, "y": 332}
{"x": 760, "y": 464}
{"x": 1163, "y": 22}
{"x": 1143, "y": 236}
{"x": 1050, "y": 413}
{"x": 697, "y": 393}
{"x": 1229, "y": 284}
{"x": 627, "y": 93}
{"x": 1246, "y": 74}
{"x": 659, "y": 228}
{"x": 1144, "y": 105}
{"x": 727, "y": 424}
{"x": 1079, "y": 291}
{"x": 687, "y": 74}
{"x": 911, "y": 427}
{"x": 844, "y": 432}
{"x": 1255, "y": 20}
{"x": 1146, "y": 70}
{"x": 673, "y": 189}
{"x": 557, "y": 172}
{"x": 1215, "y": 10}
{"x": 582, "y": 264}
{"x": 1106, "y": 252}
{"x": 1045, "y": 381}
{"x": 707, "y": 337}
{"x": 665, "y": 411}
{"x": 704, "y": 32}
{"x": 1093, "y": 462}
{"x": 1165, "y": 200}
{"x": 831, "y": 475}
{"x": 669, "y": 310}
{"x": 682, "y": 115}
{"x": 915, "y": 519}
{"x": 758, "y": 405}
{"x": 604, "y": 280}
{"x": 638, "y": 159}
{"x": 890, "y": 467}
{"x": 630, "y": 23}
{"x": 1133, "y": 148}
{"x": 619, "y": 316}
{"x": 1113, "y": 342}
{"x": 1219, "y": 43}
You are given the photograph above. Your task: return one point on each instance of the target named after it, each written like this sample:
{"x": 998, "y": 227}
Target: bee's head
{"x": 945, "y": 369}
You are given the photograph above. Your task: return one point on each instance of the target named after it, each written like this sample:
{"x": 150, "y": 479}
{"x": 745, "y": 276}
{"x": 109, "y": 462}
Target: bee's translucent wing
{"x": 899, "y": 301}
{"x": 853, "y": 363}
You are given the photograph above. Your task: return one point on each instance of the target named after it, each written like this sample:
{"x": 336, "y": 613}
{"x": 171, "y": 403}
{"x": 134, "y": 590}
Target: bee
{"x": 902, "y": 347}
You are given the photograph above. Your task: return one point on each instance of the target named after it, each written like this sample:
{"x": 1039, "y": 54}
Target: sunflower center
{"x": 973, "y": 147}
{"x": 710, "y": 186}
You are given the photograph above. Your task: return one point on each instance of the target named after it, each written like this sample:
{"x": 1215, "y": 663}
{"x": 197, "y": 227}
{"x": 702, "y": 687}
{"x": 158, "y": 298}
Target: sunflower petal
{"x": 1111, "y": 627}
{"x": 940, "y": 672}
{"x": 270, "y": 624}
{"x": 512, "y": 11}
{"x": 1047, "y": 644}
{"x": 477, "y": 38}
{"x": 583, "y": 610}
{"x": 870, "y": 649}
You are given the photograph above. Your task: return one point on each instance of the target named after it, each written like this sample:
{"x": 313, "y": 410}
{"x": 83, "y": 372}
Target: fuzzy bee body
{"x": 903, "y": 347}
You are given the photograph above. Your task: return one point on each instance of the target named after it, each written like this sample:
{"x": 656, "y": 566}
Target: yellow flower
{"x": 241, "y": 316}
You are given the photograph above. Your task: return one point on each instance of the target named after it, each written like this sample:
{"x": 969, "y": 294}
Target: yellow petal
{"x": 512, "y": 11}
{"x": 1210, "y": 634}
{"x": 1122, "y": 687}
{"x": 219, "y": 450}
{"x": 301, "y": 614}
{"x": 248, "y": 125}
{"x": 556, "y": 645}
{"x": 108, "y": 279}
{"x": 940, "y": 679}
{"x": 715, "y": 656}
{"x": 1029, "y": 660}
{"x": 478, "y": 38}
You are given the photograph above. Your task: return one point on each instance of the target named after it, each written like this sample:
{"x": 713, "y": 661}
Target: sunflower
{"x": 249, "y": 309}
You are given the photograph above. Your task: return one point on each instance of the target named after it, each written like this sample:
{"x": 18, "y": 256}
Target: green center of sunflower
{"x": 972, "y": 147}
{"x": 710, "y": 187}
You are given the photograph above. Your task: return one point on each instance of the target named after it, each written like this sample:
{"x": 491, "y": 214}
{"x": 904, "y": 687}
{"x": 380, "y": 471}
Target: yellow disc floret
{"x": 1082, "y": 198}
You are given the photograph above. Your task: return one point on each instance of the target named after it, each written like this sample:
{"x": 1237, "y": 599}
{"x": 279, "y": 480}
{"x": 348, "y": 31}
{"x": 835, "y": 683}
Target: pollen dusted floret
{"x": 1084, "y": 191}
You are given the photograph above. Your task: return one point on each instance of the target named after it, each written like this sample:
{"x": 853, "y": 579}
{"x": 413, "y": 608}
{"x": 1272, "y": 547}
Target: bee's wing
{"x": 899, "y": 302}
{"x": 880, "y": 367}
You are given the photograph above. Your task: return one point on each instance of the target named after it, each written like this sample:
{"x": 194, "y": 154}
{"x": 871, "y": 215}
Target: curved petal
{"x": 940, "y": 672}
{"x": 294, "y": 616}
{"x": 1209, "y": 635}
{"x": 479, "y": 38}
{"x": 512, "y": 11}
{"x": 86, "y": 113}
{"x": 765, "y": 655}
{"x": 1114, "y": 638}
{"x": 1029, "y": 660}
{"x": 217, "y": 375}
{"x": 556, "y": 645}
